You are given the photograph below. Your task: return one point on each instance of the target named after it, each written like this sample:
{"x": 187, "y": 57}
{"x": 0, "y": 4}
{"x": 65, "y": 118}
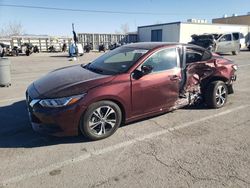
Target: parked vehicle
{"x": 129, "y": 83}
{"x": 52, "y": 48}
{"x": 15, "y": 51}
{"x": 248, "y": 45}
{"x": 219, "y": 43}
{"x": 5, "y": 50}
{"x": 26, "y": 48}
{"x": 102, "y": 48}
{"x": 114, "y": 46}
{"x": 1, "y": 50}
{"x": 240, "y": 37}
{"x": 88, "y": 47}
{"x": 36, "y": 49}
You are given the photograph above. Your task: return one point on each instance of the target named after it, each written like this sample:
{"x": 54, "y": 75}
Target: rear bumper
{"x": 233, "y": 78}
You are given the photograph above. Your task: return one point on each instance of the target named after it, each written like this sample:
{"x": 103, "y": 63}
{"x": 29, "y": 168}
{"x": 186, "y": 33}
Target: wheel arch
{"x": 205, "y": 82}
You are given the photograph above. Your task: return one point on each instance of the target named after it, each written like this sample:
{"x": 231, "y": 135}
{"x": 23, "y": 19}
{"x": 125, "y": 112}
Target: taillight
{"x": 235, "y": 67}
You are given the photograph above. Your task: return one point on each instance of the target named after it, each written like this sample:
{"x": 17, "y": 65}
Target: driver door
{"x": 159, "y": 89}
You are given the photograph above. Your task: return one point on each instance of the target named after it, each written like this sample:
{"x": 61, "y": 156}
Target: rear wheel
{"x": 235, "y": 52}
{"x": 216, "y": 94}
{"x": 101, "y": 120}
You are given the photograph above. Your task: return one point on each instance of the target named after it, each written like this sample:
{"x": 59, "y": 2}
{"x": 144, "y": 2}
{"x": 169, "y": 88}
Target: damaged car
{"x": 126, "y": 84}
{"x": 219, "y": 43}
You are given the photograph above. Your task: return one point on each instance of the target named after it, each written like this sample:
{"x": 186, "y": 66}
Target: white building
{"x": 182, "y": 31}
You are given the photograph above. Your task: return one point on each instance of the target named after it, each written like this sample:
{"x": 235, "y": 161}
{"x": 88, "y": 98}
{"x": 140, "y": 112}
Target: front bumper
{"x": 62, "y": 121}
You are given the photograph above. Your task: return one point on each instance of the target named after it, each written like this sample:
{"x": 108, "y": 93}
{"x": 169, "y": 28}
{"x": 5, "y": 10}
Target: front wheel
{"x": 216, "y": 94}
{"x": 101, "y": 120}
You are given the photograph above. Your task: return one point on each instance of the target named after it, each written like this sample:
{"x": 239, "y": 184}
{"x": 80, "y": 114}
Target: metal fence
{"x": 97, "y": 39}
{"x": 43, "y": 43}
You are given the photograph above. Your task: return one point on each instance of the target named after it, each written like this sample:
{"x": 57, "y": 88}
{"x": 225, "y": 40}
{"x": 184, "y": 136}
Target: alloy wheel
{"x": 102, "y": 120}
{"x": 220, "y": 95}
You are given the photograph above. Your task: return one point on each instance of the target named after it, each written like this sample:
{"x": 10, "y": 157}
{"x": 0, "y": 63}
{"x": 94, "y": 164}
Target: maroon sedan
{"x": 129, "y": 83}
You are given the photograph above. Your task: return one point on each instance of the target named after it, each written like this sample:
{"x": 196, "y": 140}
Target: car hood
{"x": 68, "y": 81}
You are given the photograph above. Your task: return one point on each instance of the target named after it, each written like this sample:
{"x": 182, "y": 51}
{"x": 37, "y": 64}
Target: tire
{"x": 235, "y": 52}
{"x": 216, "y": 94}
{"x": 96, "y": 125}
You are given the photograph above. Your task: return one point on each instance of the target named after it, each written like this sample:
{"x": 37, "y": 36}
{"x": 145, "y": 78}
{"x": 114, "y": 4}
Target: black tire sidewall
{"x": 84, "y": 127}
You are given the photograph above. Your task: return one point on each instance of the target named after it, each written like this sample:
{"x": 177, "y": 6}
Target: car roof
{"x": 153, "y": 45}
{"x": 150, "y": 45}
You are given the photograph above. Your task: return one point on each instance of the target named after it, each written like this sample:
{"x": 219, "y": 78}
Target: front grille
{"x": 34, "y": 119}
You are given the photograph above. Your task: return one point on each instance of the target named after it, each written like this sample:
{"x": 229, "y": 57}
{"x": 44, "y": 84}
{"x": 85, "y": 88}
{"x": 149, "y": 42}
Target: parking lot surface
{"x": 190, "y": 147}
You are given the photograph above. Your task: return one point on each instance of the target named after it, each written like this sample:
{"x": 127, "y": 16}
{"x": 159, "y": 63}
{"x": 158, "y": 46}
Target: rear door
{"x": 225, "y": 44}
{"x": 236, "y": 41}
{"x": 197, "y": 67}
{"x": 159, "y": 89}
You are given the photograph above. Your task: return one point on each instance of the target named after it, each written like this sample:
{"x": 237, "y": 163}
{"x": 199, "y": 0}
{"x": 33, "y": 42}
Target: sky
{"x": 53, "y": 22}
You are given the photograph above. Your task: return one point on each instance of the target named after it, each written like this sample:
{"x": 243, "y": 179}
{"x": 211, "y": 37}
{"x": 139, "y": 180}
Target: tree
{"x": 11, "y": 29}
{"x": 125, "y": 28}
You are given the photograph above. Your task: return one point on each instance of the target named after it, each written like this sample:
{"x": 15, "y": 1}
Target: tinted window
{"x": 196, "y": 55}
{"x": 156, "y": 35}
{"x": 236, "y": 36}
{"x": 163, "y": 60}
{"x": 227, "y": 37}
{"x": 193, "y": 56}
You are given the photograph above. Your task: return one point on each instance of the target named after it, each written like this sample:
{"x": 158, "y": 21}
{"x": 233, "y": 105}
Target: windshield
{"x": 116, "y": 61}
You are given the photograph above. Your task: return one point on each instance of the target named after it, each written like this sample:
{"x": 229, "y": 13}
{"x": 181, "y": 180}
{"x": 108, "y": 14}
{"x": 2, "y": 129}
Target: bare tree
{"x": 11, "y": 29}
{"x": 125, "y": 28}
{"x": 117, "y": 32}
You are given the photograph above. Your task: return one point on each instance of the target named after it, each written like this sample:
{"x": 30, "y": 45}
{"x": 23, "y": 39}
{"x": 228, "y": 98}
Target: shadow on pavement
{"x": 16, "y": 131}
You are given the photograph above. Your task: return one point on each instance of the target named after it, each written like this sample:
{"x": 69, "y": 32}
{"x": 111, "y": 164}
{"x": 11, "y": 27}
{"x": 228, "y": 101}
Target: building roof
{"x": 229, "y": 17}
{"x": 171, "y": 23}
{"x": 160, "y": 24}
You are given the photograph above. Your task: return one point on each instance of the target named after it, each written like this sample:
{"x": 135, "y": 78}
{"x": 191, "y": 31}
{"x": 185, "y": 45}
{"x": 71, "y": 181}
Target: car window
{"x": 193, "y": 56}
{"x": 197, "y": 55}
{"x": 116, "y": 61}
{"x": 236, "y": 36}
{"x": 163, "y": 60}
{"x": 227, "y": 37}
{"x": 121, "y": 57}
{"x": 241, "y": 36}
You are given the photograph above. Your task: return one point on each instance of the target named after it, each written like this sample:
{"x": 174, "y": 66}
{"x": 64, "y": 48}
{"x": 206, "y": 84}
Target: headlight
{"x": 60, "y": 102}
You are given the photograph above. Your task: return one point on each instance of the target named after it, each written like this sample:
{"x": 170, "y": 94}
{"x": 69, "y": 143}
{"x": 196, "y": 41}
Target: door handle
{"x": 174, "y": 78}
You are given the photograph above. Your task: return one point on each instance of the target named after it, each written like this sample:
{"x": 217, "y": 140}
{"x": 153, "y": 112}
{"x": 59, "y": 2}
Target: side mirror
{"x": 146, "y": 69}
